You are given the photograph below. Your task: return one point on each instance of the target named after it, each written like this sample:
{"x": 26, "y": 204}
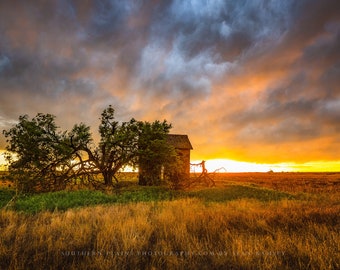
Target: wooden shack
{"x": 183, "y": 147}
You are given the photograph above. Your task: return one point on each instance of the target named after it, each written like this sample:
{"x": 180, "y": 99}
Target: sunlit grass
{"x": 262, "y": 221}
{"x": 179, "y": 234}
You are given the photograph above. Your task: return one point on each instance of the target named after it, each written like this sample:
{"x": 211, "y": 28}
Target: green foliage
{"x": 64, "y": 200}
{"x": 118, "y": 144}
{"x": 148, "y": 194}
{"x": 153, "y": 151}
{"x": 174, "y": 175}
{"x": 61, "y": 200}
{"x": 41, "y": 150}
{"x": 5, "y": 196}
{"x": 80, "y": 136}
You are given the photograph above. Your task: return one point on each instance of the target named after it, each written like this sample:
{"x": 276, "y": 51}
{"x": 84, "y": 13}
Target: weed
{"x": 5, "y": 196}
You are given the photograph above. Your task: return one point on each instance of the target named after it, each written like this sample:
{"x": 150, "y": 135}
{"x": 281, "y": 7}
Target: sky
{"x": 251, "y": 81}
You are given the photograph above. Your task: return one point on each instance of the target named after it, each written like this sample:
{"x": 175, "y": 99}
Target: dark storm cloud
{"x": 238, "y": 72}
{"x": 196, "y": 44}
{"x": 46, "y": 64}
{"x": 107, "y": 20}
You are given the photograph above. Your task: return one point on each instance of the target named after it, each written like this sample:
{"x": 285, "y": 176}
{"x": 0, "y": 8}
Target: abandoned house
{"x": 183, "y": 147}
{"x": 150, "y": 174}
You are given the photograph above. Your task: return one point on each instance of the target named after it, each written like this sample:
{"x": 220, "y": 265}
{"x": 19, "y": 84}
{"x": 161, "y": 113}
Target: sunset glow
{"x": 226, "y": 165}
{"x": 254, "y": 84}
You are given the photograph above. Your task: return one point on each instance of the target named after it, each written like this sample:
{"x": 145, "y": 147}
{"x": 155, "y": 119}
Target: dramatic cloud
{"x": 250, "y": 80}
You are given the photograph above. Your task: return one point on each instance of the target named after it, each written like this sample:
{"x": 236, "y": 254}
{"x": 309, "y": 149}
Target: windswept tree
{"x": 46, "y": 158}
{"x": 116, "y": 149}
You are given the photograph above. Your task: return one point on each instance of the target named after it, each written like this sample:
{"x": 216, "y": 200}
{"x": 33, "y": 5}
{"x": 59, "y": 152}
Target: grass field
{"x": 248, "y": 221}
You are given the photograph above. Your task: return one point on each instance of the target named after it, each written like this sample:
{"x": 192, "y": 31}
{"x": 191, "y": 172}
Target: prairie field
{"x": 247, "y": 221}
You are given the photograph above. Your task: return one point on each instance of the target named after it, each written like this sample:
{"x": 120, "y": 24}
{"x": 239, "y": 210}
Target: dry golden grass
{"x": 303, "y": 233}
{"x": 289, "y": 182}
{"x": 182, "y": 234}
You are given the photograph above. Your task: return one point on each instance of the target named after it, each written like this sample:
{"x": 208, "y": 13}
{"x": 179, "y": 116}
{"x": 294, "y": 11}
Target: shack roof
{"x": 179, "y": 141}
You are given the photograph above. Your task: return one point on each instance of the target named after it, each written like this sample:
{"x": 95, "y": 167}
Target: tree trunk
{"x": 108, "y": 178}
{"x": 142, "y": 180}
